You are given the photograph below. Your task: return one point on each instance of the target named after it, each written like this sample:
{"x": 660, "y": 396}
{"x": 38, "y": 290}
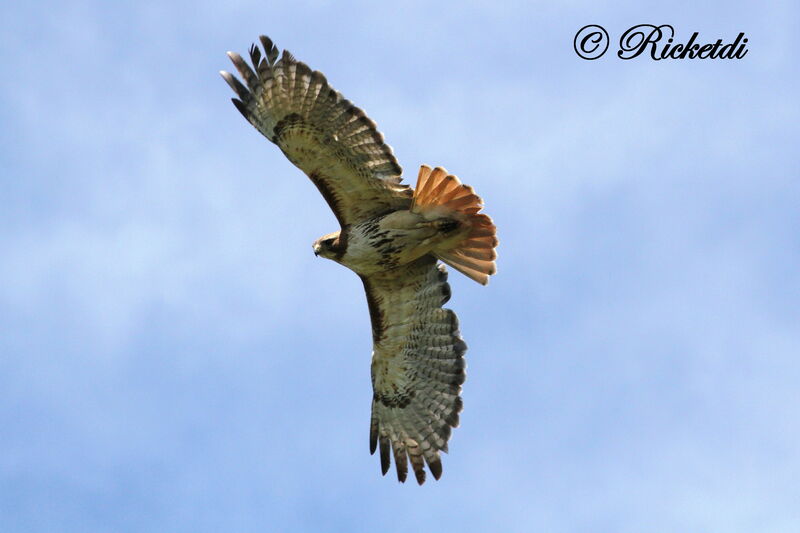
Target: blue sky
{"x": 174, "y": 358}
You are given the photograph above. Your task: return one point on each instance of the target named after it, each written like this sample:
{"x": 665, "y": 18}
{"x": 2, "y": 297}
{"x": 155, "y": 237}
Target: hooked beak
{"x": 316, "y": 247}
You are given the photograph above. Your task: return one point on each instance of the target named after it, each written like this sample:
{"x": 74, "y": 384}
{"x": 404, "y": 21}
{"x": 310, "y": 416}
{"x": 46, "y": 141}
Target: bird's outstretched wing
{"x": 321, "y": 132}
{"x": 417, "y": 366}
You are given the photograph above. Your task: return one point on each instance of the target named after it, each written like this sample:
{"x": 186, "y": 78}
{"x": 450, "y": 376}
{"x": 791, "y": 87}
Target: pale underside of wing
{"x": 417, "y": 366}
{"x": 321, "y": 132}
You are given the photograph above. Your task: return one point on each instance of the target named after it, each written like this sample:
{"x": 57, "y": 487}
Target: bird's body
{"x": 391, "y": 236}
{"x": 388, "y": 241}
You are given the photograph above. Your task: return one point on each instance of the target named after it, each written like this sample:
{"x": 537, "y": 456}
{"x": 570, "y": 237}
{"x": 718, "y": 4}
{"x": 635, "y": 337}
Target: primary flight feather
{"x": 391, "y": 236}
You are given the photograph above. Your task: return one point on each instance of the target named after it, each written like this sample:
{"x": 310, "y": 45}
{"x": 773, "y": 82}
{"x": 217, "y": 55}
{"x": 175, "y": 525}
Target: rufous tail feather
{"x": 443, "y": 194}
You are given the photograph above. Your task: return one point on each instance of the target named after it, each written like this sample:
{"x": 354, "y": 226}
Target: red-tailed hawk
{"x": 391, "y": 236}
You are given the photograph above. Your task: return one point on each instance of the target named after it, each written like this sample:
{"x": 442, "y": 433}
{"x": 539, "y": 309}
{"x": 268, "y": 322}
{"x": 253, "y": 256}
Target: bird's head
{"x": 327, "y": 246}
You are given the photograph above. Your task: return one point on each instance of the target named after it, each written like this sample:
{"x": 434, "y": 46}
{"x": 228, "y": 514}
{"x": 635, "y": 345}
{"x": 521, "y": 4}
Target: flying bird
{"x": 392, "y": 236}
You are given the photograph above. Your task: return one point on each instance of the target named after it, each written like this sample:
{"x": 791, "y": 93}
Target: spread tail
{"x": 439, "y": 194}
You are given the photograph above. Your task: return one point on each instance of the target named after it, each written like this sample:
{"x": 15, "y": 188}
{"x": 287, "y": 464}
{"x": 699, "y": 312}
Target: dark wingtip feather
{"x": 244, "y": 69}
{"x": 385, "y": 461}
{"x": 240, "y": 90}
{"x": 436, "y": 468}
{"x": 233, "y": 56}
{"x": 241, "y": 107}
{"x": 373, "y": 439}
{"x": 255, "y": 55}
{"x": 446, "y": 293}
{"x": 287, "y": 57}
{"x": 419, "y": 473}
{"x": 400, "y": 462}
{"x": 269, "y": 49}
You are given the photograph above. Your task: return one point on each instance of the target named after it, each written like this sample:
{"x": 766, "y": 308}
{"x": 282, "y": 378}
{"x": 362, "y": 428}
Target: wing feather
{"x": 417, "y": 366}
{"x": 334, "y": 142}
